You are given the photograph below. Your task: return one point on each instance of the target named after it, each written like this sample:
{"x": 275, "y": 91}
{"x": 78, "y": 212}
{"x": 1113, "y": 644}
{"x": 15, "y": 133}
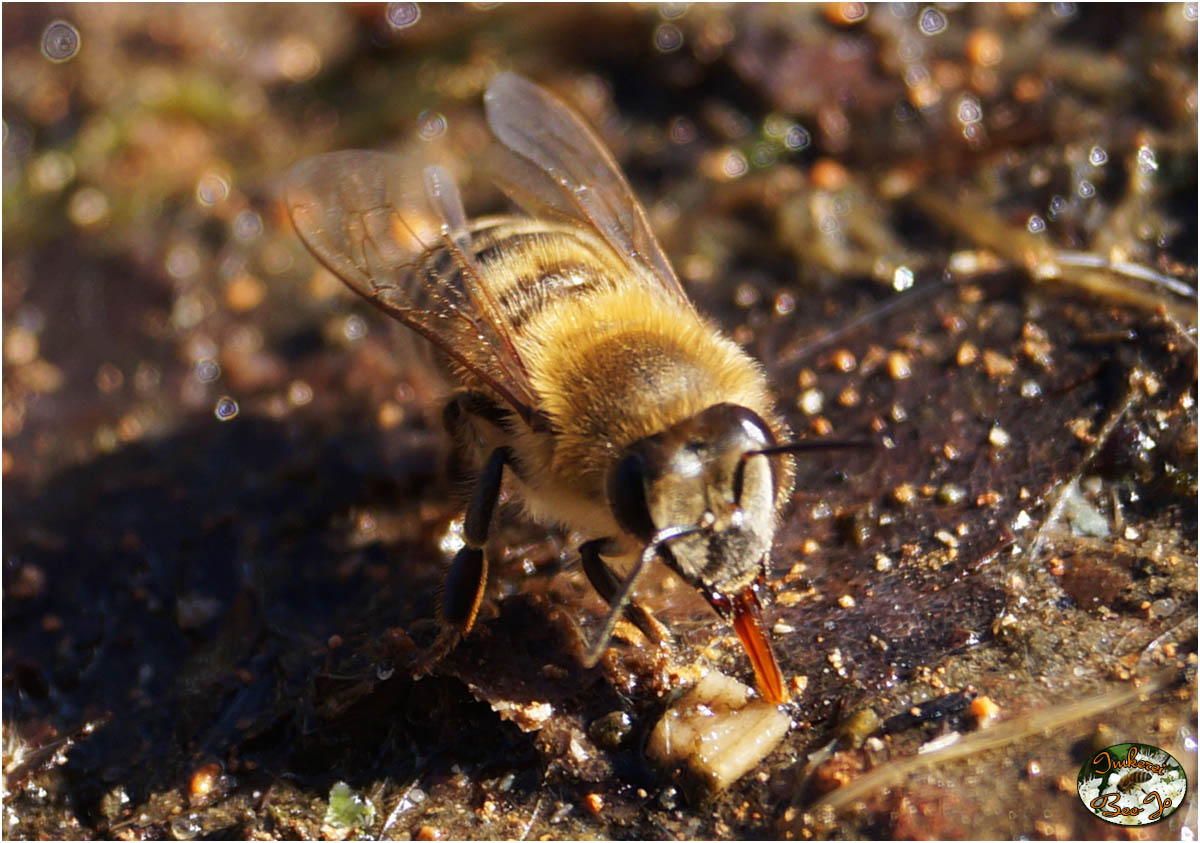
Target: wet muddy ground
{"x": 966, "y": 234}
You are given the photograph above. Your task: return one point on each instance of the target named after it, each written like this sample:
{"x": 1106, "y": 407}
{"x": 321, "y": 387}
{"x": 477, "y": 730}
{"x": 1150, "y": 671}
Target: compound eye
{"x": 627, "y": 497}
{"x": 754, "y": 430}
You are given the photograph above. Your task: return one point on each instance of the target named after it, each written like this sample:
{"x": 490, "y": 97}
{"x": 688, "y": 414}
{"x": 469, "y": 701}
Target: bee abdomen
{"x": 532, "y": 271}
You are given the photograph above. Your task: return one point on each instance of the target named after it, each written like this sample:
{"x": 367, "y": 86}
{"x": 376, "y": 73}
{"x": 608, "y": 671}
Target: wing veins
{"x": 544, "y": 133}
{"x": 359, "y": 214}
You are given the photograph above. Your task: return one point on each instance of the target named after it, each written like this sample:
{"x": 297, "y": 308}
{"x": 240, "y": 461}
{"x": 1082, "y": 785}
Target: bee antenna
{"x": 791, "y": 448}
{"x": 622, "y": 597}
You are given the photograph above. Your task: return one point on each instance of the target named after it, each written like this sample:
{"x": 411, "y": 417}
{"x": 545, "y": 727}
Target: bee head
{"x": 703, "y": 473}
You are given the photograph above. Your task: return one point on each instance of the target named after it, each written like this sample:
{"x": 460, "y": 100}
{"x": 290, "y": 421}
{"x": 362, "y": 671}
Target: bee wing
{"x": 376, "y": 224}
{"x": 558, "y": 165}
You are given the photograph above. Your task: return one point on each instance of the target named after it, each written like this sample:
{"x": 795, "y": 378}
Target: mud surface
{"x": 968, "y": 236}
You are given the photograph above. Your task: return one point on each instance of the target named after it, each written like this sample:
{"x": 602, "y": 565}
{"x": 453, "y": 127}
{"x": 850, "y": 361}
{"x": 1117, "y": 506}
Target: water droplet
{"x": 183, "y": 261}
{"x": 51, "y": 172}
{"x": 297, "y": 58}
{"x": 667, "y": 38}
{"x": 1147, "y": 163}
{"x": 60, "y": 41}
{"x": 916, "y": 74}
{"x": 226, "y": 408}
{"x": 247, "y": 225}
{"x": 735, "y": 164}
{"x": 452, "y": 540}
{"x": 797, "y": 138}
{"x": 932, "y": 21}
{"x": 762, "y": 155}
{"x": 207, "y": 370}
{"x": 384, "y": 671}
{"x": 1057, "y": 206}
{"x": 775, "y": 126}
{"x": 1097, "y": 157}
{"x": 430, "y": 125}
{"x": 355, "y": 328}
{"x": 969, "y": 110}
{"x": 1189, "y": 11}
{"x": 1036, "y": 224}
{"x": 852, "y": 12}
{"x": 682, "y": 130}
{"x": 299, "y": 393}
{"x": 200, "y": 346}
{"x": 785, "y": 303}
{"x": 402, "y": 15}
{"x": 88, "y": 206}
{"x": 904, "y": 111}
{"x": 186, "y": 827}
{"x": 211, "y": 189}
{"x": 670, "y": 11}
{"x": 746, "y": 295}
{"x": 1064, "y": 10}
{"x": 902, "y": 278}
{"x": 187, "y": 312}
{"x": 1086, "y": 190}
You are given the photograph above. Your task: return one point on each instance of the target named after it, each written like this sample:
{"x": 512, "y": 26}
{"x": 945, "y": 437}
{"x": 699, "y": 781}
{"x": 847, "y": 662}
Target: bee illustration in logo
{"x": 1129, "y": 781}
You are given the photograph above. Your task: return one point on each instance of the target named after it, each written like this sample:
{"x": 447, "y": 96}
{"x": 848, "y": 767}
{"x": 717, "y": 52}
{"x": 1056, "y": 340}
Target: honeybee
{"x": 1131, "y": 780}
{"x": 588, "y": 381}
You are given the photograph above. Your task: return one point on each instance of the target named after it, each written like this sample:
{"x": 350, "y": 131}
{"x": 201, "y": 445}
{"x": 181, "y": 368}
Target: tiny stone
{"x": 997, "y": 365}
{"x": 899, "y": 366}
{"x": 811, "y": 401}
{"x": 950, "y": 494}
{"x": 967, "y": 354}
{"x": 844, "y": 360}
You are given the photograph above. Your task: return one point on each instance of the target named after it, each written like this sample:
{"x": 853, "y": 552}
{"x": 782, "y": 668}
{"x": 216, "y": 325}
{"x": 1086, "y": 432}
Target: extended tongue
{"x": 747, "y": 623}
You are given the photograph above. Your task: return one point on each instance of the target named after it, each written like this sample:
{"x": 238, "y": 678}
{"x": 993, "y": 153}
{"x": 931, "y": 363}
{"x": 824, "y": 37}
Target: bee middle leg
{"x": 601, "y": 577}
{"x": 464, "y": 408}
{"x": 466, "y": 580}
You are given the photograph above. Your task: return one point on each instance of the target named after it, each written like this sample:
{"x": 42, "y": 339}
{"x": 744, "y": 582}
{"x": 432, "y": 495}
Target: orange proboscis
{"x": 747, "y": 623}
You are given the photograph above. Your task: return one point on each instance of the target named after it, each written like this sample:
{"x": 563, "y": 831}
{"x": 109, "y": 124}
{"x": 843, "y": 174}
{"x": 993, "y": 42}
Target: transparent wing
{"x": 398, "y": 237}
{"x": 558, "y": 166}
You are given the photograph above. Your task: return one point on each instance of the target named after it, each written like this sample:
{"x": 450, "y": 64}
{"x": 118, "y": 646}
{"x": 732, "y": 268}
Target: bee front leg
{"x": 465, "y": 582}
{"x": 607, "y": 585}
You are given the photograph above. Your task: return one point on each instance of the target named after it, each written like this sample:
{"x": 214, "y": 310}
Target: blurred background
{"x": 969, "y": 230}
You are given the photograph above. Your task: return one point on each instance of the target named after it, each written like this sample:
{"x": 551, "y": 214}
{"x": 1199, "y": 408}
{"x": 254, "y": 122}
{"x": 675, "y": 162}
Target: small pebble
{"x": 899, "y": 366}
{"x": 204, "y": 782}
{"x": 999, "y": 437}
{"x": 950, "y": 494}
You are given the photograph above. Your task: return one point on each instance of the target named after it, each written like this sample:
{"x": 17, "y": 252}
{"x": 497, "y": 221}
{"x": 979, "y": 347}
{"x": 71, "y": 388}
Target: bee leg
{"x": 462, "y": 589}
{"x": 469, "y": 402}
{"x": 463, "y": 406}
{"x": 607, "y": 585}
